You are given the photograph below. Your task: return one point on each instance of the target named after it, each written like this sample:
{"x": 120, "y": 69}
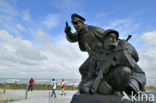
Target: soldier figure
{"x": 89, "y": 39}
{"x": 112, "y": 63}
{"x": 115, "y": 68}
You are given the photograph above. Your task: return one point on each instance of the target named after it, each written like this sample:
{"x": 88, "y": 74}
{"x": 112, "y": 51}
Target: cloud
{"x": 149, "y": 38}
{"x": 8, "y": 8}
{"x": 61, "y": 55}
{"x": 17, "y": 50}
{"x": 20, "y": 27}
{"x": 148, "y": 54}
{"x": 50, "y": 59}
{"x": 17, "y": 56}
{"x": 124, "y": 26}
{"x": 52, "y": 20}
{"x": 10, "y": 24}
{"x": 148, "y": 61}
{"x": 26, "y": 16}
{"x": 68, "y": 6}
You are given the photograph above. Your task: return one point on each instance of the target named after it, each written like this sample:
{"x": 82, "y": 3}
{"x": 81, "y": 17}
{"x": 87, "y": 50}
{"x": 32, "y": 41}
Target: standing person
{"x": 63, "y": 87}
{"x": 54, "y": 84}
{"x": 31, "y": 83}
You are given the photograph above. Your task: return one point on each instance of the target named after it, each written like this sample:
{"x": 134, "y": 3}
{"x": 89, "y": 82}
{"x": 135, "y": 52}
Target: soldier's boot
{"x": 104, "y": 88}
{"x": 133, "y": 87}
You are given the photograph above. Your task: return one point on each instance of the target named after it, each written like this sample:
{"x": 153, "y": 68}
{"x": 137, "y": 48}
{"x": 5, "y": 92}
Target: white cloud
{"x": 124, "y": 27}
{"x": 148, "y": 54}
{"x": 148, "y": 61}
{"x": 64, "y": 58}
{"x": 20, "y": 27}
{"x": 149, "y": 38}
{"x": 8, "y": 8}
{"x": 26, "y": 15}
{"x": 9, "y": 24}
{"x": 52, "y": 20}
{"x": 58, "y": 59}
{"x": 18, "y": 50}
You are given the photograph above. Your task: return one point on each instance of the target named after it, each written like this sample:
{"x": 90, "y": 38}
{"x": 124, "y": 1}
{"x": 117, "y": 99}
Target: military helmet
{"x": 108, "y": 31}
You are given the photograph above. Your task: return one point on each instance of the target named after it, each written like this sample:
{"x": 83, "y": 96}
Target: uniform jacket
{"x": 89, "y": 39}
{"x": 122, "y": 55}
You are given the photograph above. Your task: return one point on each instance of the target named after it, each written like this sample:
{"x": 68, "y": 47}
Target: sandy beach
{"x": 37, "y": 96}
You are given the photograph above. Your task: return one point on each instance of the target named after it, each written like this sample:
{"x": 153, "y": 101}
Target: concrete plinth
{"x": 97, "y": 98}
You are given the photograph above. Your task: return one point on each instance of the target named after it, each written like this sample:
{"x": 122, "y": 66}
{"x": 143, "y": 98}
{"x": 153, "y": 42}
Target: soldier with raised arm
{"x": 89, "y": 39}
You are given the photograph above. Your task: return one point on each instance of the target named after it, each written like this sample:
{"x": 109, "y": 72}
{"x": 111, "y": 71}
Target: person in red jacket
{"x": 31, "y": 83}
{"x": 63, "y": 87}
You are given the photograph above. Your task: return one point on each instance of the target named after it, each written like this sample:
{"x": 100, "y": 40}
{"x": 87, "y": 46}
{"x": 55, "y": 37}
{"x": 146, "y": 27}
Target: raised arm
{"x": 71, "y": 37}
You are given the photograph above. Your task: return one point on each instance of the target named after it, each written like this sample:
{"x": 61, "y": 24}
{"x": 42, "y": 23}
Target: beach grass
{"x": 8, "y": 100}
{"x": 152, "y": 88}
{"x": 48, "y": 87}
{"x": 36, "y": 86}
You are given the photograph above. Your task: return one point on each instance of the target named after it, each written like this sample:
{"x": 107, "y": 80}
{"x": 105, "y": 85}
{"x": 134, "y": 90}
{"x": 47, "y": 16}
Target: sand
{"x": 38, "y": 96}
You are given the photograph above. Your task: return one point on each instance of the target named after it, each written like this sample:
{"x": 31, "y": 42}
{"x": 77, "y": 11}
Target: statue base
{"x": 97, "y": 98}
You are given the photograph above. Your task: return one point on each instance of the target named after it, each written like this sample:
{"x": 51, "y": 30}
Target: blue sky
{"x": 33, "y": 42}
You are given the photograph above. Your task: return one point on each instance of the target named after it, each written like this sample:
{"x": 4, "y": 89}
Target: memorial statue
{"x": 115, "y": 67}
{"x": 89, "y": 39}
{"x": 112, "y": 63}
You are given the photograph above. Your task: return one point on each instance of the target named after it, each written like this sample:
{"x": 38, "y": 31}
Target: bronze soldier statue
{"x": 112, "y": 63}
{"x": 89, "y": 39}
{"x": 115, "y": 68}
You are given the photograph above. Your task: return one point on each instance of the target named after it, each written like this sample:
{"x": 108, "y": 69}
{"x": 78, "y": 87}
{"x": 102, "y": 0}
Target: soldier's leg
{"x": 119, "y": 78}
{"x": 84, "y": 86}
{"x": 133, "y": 86}
{"x": 84, "y": 69}
{"x": 104, "y": 88}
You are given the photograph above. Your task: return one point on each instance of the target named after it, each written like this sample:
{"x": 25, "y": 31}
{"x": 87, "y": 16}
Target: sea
{"x": 75, "y": 82}
{"x": 69, "y": 82}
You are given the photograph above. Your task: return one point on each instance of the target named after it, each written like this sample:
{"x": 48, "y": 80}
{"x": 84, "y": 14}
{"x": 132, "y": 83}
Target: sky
{"x": 33, "y": 42}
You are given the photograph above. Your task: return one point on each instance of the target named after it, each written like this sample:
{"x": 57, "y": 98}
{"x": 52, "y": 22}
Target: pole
{"x": 5, "y": 86}
{"x": 73, "y": 86}
{"x": 26, "y": 92}
{"x": 15, "y": 84}
{"x": 49, "y": 98}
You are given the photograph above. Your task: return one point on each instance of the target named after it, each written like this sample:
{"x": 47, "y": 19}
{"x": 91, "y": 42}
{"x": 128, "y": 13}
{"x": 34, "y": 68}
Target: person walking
{"x": 54, "y": 85}
{"x": 31, "y": 83}
{"x": 63, "y": 87}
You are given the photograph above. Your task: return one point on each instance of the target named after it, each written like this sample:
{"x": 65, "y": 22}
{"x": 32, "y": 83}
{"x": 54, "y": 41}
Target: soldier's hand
{"x": 67, "y": 28}
{"x": 123, "y": 43}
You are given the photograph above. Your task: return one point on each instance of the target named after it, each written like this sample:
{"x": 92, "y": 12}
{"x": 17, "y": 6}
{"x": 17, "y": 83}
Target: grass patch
{"x": 48, "y": 87}
{"x": 36, "y": 86}
{"x": 152, "y": 88}
{"x": 8, "y": 100}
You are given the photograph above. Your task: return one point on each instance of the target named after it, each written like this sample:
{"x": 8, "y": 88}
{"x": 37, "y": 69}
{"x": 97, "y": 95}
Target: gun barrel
{"x": 129, "y": 36}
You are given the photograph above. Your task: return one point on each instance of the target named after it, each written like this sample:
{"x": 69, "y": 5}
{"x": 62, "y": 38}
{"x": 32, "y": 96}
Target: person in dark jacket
{"x": 31, "y": 83}
{"x": 88, "y": 37}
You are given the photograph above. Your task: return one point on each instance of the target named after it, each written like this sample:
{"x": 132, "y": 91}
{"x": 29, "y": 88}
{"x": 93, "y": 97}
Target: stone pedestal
{"x": 96, "y": 98}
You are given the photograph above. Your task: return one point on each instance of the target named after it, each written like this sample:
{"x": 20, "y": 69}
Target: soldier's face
{"x": 110, "y": 40}
{"x": 111, "y": 37}
{"x": 78, "y": 25}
